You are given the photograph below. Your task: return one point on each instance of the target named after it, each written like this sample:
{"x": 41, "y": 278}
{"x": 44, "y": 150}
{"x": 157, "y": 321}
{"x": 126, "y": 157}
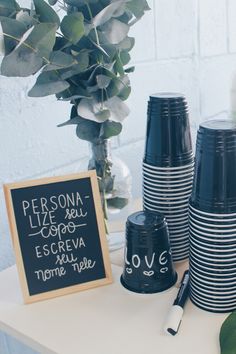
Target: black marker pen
{"x": 175, "y": 316}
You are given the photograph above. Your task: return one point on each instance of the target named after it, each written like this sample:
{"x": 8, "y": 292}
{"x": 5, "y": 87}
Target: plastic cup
{"x": 168, "y": 139}
{"x": 215, "y": 167}
{"x": 148, "y": 266}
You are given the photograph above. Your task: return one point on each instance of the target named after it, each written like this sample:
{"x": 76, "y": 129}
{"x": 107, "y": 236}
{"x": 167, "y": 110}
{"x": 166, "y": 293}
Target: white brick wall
{"x": 187, "y": 46}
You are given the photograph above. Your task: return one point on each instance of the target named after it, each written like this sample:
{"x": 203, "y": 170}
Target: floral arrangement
{"x": 82, "y": 57}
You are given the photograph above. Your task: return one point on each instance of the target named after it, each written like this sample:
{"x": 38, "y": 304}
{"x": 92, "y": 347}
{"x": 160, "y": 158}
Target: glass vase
{"x": 115, "y": 184}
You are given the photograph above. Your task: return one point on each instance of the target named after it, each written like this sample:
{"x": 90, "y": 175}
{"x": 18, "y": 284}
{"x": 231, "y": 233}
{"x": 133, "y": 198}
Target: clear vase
{"x": 115, "y": 185}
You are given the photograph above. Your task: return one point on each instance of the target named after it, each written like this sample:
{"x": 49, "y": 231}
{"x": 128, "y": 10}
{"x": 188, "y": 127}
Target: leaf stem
{"x": 26, "y": 45}
{"x": 94, "y": 28}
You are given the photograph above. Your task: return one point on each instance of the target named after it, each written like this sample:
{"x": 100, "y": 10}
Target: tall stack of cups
{"x": 168, "y": 166}
{"x": 212, "y": 218}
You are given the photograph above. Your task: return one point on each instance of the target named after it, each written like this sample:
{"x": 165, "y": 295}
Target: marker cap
{"x": 173, "y": 320}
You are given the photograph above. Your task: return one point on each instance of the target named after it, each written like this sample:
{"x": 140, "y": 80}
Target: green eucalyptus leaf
{"x": 130, "y": 69}
{"x": 82, "y": 63}
{"x": 45, "y": 13}
{"x": 89, "y": 109}
{"x": 108, "y": 12}
{"x": 119, "y": 65}
{"x": 59, "y": 60}
{"x": 98, "y": 46}
{"x": 2, "y": 42}
{"x": 228, "y": 335}
{"x": 103, "y": 115}
{"x": 74, "y": 93}
{"x": 103, "y": 81}
{"x": 120, "y": 87}
{"x": 42, "y": 39}
{"x": 109, "y": 129}
{"x": 73, "y": 113}
{"x": 72, "y": 26}
{"x": 124, "y": 57}
{"x": 115, "y": 31}
{"x": 25, "y": 18}
{"x": 8, "y": 7}
{"x": 126, "y": 44}
{"x": 80, "y": 3}
{"x": 30, "y": 54}
{"x": 48, "y": 83}
{"x": 138, "y": 7}
{"x": 88, "y": 130}
{"x": 118, "y": 203}
{"x": 52, "y": 2}
{"x": 13, "y": 28}
{"x": 119, "y": 110}
{"x": 75, "y": 120}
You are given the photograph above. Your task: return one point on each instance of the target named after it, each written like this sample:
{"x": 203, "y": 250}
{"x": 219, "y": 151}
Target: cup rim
{"x": 165, "y": 183}
{"x": 211, "y": 214}
{"x": 173, "y": 221}
{"x": 214, "y": 276}
{"x": 213, "y": 296}
{"x": 211, "y": 231}
{"x": 169, "y": 202}
{"x": 231, "y": 265}
{"x": 169, "y": 208}
{"x": 211, "y": 240}
{"x": 176, "y": 239}
{"x": 167, "y": 212}
{"x": 167, "y": 194}
{"x": 224, "y": 300}
{"x": 170, "y": 178}
{"x": 219, "y": 304}
{"x": 213, "y": 245}
{"x": 202, "y": 268}
{"x": 170, "y": 174}
{"x": 206, "y": 290}
{"x": 176, "y": 225}
{"x": 179, "y": 231}
{"x": 218, "y": 281}
{"x": 222, "y": 263}
{"x": 214, "y": 221}
{"x": 209, "y": 224}
{"x": 179, "y": 243}
{"x": 179, "y": 256}
{"x": 218, "y": 258}
{"x": 175, "y": 168}
{"x": 211, "y": 309}
{"x": 202, "y": 281}
{"x": 167, "y": 175}
{"x": 170, "y": 189}
{"x": 224, "y": 237}
{"x": 183, "y": 248}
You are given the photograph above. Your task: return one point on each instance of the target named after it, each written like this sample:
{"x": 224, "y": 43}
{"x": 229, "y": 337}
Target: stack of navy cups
{"x": 168, "y": 166}
{"x": 212, "y": 218}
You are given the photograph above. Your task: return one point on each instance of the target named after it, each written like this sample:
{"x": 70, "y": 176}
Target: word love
{"x": 136, "y": 262}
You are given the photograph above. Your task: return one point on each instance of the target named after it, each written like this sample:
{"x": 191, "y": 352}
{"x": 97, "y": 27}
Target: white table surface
{"x": 105, "y": 320}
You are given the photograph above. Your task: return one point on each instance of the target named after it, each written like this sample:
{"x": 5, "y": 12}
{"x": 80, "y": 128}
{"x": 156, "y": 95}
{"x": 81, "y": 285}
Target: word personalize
{"x": 42, "y": 214}
{"x": 54, "y": 223}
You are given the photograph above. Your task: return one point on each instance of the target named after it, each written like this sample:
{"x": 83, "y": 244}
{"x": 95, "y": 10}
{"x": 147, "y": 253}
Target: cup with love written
{"x": 148, "y": 265}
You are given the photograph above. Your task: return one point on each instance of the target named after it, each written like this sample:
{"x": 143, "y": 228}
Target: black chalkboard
{"x": 58, "y": 233}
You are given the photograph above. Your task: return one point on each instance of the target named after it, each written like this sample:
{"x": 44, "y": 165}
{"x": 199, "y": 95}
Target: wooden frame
{"x": 16, "y": 243}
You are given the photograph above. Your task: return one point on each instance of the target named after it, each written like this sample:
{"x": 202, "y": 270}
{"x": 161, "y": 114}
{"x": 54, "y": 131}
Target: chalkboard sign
{"x": 58, "y": 233}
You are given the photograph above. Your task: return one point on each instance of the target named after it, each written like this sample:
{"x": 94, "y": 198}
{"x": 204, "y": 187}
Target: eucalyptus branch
{"x": 101, "y": 44}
